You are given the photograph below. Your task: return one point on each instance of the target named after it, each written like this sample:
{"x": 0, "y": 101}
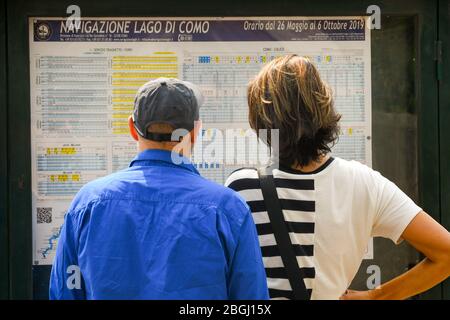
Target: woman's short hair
{"x": 288, "y": 94}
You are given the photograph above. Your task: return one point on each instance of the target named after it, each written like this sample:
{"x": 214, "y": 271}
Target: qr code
{"x": 44, "y": 215}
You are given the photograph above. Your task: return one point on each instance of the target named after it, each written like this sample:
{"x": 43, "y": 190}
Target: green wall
{"x": 432, "y": 99}
{"x": 4, "y": 237}
{"x": 444, "y": 119}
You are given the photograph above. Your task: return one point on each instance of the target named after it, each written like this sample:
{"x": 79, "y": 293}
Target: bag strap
{"x": 281, "y": 233}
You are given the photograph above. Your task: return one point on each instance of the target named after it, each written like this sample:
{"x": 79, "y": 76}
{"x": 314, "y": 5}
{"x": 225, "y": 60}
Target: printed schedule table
{"x": 83, "y": 84}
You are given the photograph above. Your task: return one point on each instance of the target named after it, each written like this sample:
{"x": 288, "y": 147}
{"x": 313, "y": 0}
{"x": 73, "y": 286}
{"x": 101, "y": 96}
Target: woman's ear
{"x": 133, "y": 132}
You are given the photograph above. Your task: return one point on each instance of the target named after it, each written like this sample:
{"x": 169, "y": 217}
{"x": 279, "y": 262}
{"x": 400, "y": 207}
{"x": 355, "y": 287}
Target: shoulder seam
{"x": 244, "y": 168}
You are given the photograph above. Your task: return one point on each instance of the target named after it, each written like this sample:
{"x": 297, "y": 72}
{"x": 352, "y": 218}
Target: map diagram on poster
{"x": 84, "y": 77}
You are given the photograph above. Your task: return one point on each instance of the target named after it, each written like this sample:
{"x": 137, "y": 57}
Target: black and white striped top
{"x": 297, "y": 197}
{"x": 332, "y": 213}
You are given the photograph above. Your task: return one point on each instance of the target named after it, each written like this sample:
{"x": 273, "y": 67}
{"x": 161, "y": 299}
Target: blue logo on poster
{"x": 42, "y": 31}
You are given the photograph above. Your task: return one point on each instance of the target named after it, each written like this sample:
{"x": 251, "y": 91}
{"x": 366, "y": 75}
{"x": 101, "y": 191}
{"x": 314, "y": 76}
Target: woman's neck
{"x": 312, "y": 166}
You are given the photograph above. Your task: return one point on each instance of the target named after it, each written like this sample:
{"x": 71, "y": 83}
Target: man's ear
{"x": 133, "y": 132}
{"x": 196, "y": 131}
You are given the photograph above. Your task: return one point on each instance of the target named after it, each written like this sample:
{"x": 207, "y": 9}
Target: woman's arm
{"x": 428, "y": 237}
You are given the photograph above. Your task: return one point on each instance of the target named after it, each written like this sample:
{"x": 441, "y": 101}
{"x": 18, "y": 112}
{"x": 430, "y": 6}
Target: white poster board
{"x": 83, "y": 82}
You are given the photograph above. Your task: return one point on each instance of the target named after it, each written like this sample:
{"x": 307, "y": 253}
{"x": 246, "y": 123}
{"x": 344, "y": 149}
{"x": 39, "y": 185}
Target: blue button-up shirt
{"x": 158, "y": 230}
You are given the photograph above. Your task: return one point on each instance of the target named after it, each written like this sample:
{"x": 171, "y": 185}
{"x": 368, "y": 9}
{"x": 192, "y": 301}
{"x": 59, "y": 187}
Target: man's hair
{"x": 160, "y": 128}
{"x": 288, "y": 94}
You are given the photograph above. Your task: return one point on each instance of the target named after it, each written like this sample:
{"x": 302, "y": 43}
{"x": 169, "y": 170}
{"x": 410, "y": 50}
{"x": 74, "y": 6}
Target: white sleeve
{"x": 394, "y": 210}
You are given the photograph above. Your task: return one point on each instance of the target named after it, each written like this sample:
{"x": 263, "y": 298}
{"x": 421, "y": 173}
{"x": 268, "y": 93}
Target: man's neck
{"x": 172, "y": 147}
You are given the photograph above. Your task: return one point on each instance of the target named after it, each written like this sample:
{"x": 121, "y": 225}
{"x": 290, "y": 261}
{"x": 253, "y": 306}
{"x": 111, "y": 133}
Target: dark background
{"x": 410, "y": 102}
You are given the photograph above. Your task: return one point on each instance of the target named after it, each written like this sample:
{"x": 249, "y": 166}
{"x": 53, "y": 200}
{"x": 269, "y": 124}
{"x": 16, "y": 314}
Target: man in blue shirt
{"x": 158, "y": 230}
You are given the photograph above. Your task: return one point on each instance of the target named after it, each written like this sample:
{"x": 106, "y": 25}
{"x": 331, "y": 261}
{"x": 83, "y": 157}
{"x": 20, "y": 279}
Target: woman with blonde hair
{"x": 316, "y": 213}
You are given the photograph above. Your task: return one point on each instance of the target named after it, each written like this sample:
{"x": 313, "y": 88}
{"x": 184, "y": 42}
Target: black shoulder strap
{"x": 281, "y": 233}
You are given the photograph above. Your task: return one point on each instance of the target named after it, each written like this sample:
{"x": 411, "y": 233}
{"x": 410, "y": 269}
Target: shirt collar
{"x": 164, "y": 157}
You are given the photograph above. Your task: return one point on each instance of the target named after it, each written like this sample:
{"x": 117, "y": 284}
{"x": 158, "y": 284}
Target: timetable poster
{"x": 84, "y": 76}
